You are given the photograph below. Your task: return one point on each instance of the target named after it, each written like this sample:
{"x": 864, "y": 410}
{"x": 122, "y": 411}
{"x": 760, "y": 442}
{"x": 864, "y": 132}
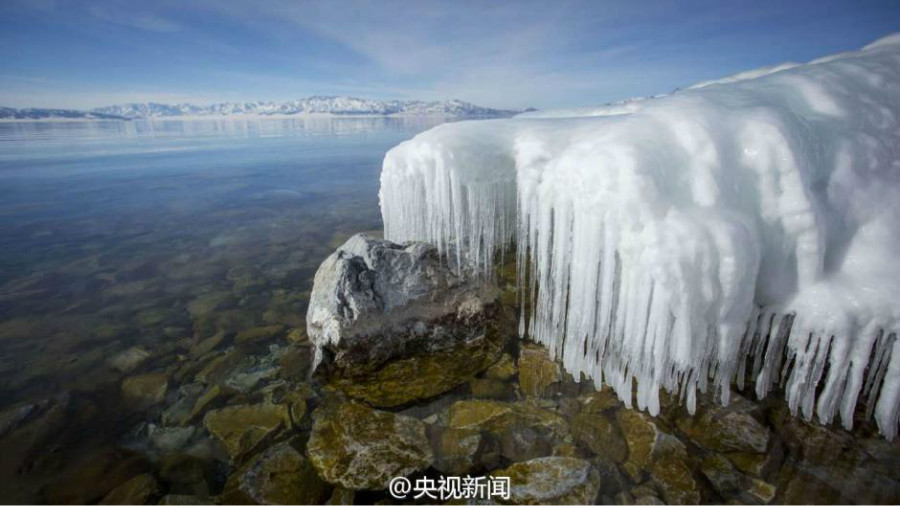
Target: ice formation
{"x": 745, "y": 227}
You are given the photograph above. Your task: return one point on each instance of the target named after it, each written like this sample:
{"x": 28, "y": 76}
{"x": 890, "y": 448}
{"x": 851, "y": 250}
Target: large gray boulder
{"x": 374, "y": 301}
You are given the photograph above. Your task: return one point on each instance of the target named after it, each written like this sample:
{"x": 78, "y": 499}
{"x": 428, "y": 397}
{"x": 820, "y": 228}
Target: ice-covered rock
{"x": 374, "y": 301}
{"x": 668, "y": 240}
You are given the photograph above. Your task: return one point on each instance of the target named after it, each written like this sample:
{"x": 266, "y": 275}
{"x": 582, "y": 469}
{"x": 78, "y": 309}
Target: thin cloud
{"x": 139, "y": 20}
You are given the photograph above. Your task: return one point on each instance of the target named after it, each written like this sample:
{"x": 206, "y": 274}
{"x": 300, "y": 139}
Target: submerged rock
{"x": 374, "y": 301}
{"x": 641, "y": 435}
{"x": 146, "y": 389}
{"x": 673, "y": 474}
{"x": 455, "y": 449}
{"x": 258, "y": 334}
{"x": 137, "y": 490}
{"x": 524, "y": 431}
{"x": 278, "y": 475}
{"x": 357, "y": 447}
{"x": 537, "y": 371}
{"x": 129, "y": 360}
{"x": 598, "y": 433}
{"x": 731, "y": 428}
{"x": 503, "y": 369}
{"x": 552, "y": 480}
{"x": 423, "y": 375}
{"x": 241, "y": 428}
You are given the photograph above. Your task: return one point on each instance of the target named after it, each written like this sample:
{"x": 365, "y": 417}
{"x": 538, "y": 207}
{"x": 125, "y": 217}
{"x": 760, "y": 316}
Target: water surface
{"x": 160, "y": 233}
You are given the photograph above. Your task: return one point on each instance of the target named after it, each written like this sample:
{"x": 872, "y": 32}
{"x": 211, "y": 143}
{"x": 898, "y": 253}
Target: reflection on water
{"x": 157, "y": 234}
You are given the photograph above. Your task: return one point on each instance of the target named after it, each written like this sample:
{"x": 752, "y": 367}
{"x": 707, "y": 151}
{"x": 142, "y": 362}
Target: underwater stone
{"x": 728, "y": 428}
{"x": 241, "y": 428}
{"x": 422, "y": 375}
{"x": 258, "y": 334}
{"x": 357, "y": 447}
{"x": 552, "y": 480}
{"x": 147, "y": 388}
{"x": 278, "y": 475}
{"x": 137, "y": 490}
{"x": 537, "y": 372}
{"x": 596, "y": 432}
{"x": 128, "y": 360}
{"x": 454, "y": 449}
{"x": 503, "y": 369}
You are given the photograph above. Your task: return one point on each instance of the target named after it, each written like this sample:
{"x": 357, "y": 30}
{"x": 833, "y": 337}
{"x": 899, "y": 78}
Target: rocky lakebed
{"x": 405, "y": 364}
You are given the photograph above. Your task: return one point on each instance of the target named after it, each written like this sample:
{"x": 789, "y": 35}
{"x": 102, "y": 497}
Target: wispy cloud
{"x": 128, "y": 17}
{"x": 502, "y": 54}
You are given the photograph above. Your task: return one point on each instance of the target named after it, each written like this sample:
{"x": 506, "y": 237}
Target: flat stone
{"x": 207, "y": 345}
{"x": 211, "y": 397}
{"x": 258, "y": 334}
{"x": 359, "y": 448}
{"x": 672, "y": 472}
{"x": 551, "y": 480}
{"x": 502, "y": 370}
{"x": 537, "y": 372}
{"x": 129, "y": 360}
{"x": 278, "y": 475}
{"x": 218, "y": 367}
{"x": 147, "y": 388}
{"x": 179, "y": 412}
{"x": 596, "y": 402}
{"x": 491, "y": 389}
{"x": 641, "y": 434}
{"x": 137, "y": 490}
{"x": 595, "y": 431}
{"x": 241, "y": 428}
{"x": 725, "y": 479}
{"x": 170, "y": 439}
{"x": 454, "y": 450}
{"x": 524, "y": 431}
{"x": 731, "y": 428}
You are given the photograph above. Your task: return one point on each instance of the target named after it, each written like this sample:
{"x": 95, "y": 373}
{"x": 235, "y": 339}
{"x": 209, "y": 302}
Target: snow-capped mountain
{"x": 311, "y": 105}
{"x": 34, "y": 113}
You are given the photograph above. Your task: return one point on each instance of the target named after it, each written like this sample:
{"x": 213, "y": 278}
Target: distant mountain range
{"x": 317, "y": 105}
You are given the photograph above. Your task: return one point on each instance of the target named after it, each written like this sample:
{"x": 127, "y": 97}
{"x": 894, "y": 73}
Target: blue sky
{"x": 554, "y": 53}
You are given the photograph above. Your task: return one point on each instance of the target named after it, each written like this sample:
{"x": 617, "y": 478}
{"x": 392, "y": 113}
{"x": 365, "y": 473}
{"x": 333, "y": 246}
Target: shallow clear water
{"x": 110, "y": 230}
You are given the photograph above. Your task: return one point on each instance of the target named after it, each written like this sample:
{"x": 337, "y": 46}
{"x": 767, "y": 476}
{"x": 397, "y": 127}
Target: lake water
{"x": 154, "y": 280}
{"x": 149, "y": 233}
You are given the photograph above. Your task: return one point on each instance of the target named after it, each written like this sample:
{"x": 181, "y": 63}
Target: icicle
{"x": 677, "y": 243}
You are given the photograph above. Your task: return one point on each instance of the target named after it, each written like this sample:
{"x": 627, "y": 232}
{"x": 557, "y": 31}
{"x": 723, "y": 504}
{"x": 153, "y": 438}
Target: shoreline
{"x": 232, "y": 117}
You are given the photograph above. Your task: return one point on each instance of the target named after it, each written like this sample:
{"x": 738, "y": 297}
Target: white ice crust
{"x": 746, "y": 226}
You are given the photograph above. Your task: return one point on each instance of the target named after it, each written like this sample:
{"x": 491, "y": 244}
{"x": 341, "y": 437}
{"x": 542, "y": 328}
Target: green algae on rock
{"x": 551, "y": 480}
{"x": 137, "y": 490}
{"x": 360, "y": 448}
{"x": 241, "y": 428}
{"x": 278, "y": 475}
{"x": 728, "y": 428}
{"x": 537, "y": 371}
{"x": 598, "y": 433}
{"x": 146, "y": 389}
{"x": 423, "y": 375}
{"x": 454, "y": 449}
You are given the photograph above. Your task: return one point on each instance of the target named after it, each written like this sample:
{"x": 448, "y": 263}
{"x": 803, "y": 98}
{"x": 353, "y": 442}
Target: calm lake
{"x": 156, "y": 234}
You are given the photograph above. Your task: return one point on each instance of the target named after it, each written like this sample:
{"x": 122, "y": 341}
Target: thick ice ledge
{"x": 670, "y": 239}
